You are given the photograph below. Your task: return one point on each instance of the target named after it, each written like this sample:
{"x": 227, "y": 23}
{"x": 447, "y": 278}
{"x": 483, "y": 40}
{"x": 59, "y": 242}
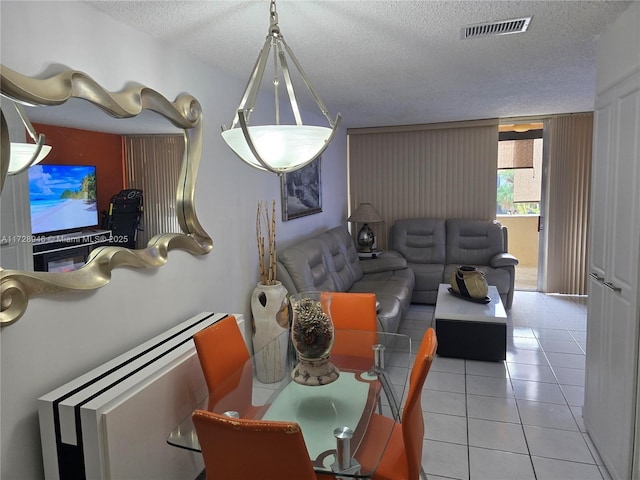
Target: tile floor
{"x": 513, "y": 420}
{"x": 526, "y": 278}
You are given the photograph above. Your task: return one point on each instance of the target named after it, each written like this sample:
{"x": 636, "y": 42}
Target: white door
{"x": 612, "y": 339}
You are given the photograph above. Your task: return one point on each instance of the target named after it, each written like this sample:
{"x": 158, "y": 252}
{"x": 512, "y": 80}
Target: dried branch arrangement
{"x": 267, "y": 258}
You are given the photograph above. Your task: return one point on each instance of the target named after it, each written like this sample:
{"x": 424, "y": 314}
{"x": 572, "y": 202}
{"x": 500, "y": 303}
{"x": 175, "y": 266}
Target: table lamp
{"x": 365, "y": 214}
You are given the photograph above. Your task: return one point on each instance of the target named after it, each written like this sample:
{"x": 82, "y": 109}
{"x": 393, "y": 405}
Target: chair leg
{"x": 423, "y": 475}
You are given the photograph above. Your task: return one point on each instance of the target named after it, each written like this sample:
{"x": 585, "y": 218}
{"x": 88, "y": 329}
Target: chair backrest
{"x": 354, "y": 311}
{"x": 412, "y": 419}
{"x": 242, "y": 449}
{"x": 223, "y": 353}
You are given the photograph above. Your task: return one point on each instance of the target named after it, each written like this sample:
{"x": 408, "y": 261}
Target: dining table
{"x": 334, "y": 418}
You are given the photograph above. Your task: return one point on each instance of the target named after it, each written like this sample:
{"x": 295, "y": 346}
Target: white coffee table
{"x": 470, "y": 330}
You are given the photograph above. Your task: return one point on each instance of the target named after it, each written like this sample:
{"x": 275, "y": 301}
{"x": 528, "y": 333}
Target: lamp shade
{"x": 365, "y": 213}
{"x": 282, "y": 147}
{"x": 22, "y": 156}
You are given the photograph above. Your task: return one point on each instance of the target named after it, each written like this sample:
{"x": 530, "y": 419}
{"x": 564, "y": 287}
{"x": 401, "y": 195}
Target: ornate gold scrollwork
{"x": 16, "y": 287}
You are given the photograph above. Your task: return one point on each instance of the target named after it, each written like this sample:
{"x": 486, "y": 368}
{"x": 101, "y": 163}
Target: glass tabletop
{"x": 374, "y": 369}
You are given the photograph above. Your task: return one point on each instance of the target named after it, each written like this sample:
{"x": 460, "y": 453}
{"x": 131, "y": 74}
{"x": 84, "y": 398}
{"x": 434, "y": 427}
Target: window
{"x": 519, "y": 173}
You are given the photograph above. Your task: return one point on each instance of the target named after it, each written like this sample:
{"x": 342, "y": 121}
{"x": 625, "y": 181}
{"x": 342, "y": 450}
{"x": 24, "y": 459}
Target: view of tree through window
{"x": 519, "y": 177}
{"x": 506, "y": 204}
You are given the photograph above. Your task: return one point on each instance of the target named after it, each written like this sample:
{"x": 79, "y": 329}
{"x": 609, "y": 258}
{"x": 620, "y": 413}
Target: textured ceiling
{"x": 400, "y": 62}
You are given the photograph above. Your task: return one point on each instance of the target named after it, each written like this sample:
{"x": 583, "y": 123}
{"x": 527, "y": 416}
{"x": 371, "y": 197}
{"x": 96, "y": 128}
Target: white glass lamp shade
{"x": 21, "y": 156}
{"x": 283, "y": 148}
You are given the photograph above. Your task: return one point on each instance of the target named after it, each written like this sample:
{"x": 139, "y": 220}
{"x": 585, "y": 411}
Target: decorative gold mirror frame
{"x": 16, "y": 287}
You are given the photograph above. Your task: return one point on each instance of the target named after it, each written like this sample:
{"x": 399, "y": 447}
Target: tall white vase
{"x": 270, "y": 309}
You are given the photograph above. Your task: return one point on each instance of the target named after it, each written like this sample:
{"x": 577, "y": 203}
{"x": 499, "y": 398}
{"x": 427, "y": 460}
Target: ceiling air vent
{"x": 503, "y": 27}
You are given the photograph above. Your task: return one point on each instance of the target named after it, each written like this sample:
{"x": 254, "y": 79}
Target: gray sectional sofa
{"x": 424, "y": 253}
{"x": 329, "y": 262}
{"x": 434, "y": 248}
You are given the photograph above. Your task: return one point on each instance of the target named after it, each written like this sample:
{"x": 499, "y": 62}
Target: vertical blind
{"x": 569, "y": 180}
{"x": 153, "y": 166}
{"x": 438, "y": 170}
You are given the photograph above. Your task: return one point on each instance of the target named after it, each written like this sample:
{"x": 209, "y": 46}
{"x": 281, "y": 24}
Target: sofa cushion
{"x": 420, "y": 240}
{"x": 393, "y": 291}
{"x": 428, "y": 275}
{"x": 473, "y": 242}
{"x": 398, "y": 284}
{"x": 305, "y": 268}
{"x": 346, "y": 263}
{"x": 337, "y": 263}
{"x": 383, "y": 264}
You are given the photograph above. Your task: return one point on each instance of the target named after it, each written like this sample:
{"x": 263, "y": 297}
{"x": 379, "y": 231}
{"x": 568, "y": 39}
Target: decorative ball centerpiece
{"x": 312, "y": 337}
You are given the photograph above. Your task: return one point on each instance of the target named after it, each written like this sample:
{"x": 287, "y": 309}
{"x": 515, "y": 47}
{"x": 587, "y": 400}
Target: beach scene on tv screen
{"x": 62, "y": 197}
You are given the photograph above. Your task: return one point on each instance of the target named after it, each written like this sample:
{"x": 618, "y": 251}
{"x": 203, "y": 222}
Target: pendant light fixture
{"x": 23, "y": 155}
{"x": 277, "y": 148}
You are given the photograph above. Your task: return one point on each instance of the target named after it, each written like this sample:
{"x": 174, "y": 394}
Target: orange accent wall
{"x": 73, "y": 146}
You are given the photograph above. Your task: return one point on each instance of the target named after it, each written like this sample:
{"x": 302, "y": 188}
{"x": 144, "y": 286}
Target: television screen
{"x": 62, "y": 198}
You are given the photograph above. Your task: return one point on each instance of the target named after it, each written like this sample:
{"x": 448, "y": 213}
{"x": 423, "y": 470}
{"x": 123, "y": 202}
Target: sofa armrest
{"x": 383, "y": 264}
{"x": 503, "y": 260}
{"x": 390, "y": 254}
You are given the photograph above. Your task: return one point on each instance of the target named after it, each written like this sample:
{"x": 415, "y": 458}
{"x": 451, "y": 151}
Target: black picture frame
{"x": 302, "y": 191}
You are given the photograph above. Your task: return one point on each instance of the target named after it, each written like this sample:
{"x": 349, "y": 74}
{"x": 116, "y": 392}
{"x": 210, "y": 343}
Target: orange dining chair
{"x": 358, "y": 311}
{"x": 354, "y": 311}
{"x": 223, "y": 357}
{"x": 402, "y": 459}
{"x": 243, "y": 449}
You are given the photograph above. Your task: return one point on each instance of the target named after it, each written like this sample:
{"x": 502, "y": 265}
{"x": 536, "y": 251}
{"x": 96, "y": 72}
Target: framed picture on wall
{"x": 302, "y": 192}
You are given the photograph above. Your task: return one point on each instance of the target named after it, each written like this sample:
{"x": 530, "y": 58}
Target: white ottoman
{"x": 470, "y": 330}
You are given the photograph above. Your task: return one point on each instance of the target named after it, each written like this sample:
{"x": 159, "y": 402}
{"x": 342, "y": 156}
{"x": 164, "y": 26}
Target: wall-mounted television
{"x": 62, "y": 198}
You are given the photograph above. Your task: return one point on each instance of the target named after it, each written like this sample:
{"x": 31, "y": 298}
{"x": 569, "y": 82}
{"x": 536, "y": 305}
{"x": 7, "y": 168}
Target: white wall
{"x": 61, "y": 336}
{"x": 614, "y": 64}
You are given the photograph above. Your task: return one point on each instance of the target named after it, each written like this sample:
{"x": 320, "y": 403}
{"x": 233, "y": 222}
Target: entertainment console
{"x": 67, "y": 252}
